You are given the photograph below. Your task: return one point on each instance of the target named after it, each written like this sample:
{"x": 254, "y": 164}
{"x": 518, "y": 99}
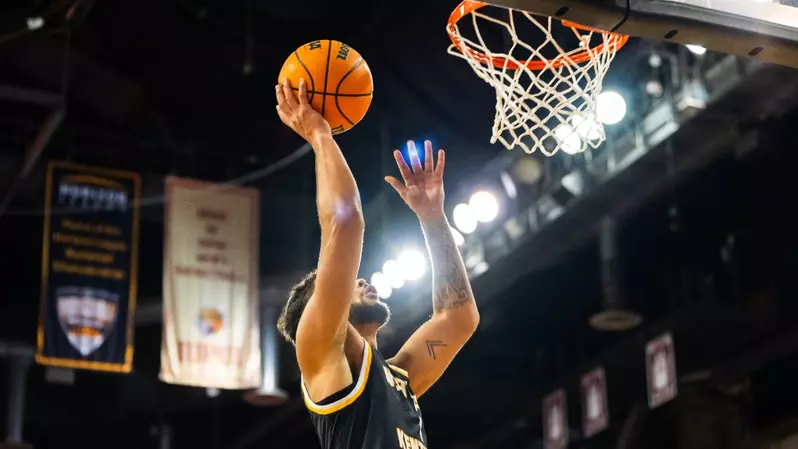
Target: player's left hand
{"x": 423, "y": 186}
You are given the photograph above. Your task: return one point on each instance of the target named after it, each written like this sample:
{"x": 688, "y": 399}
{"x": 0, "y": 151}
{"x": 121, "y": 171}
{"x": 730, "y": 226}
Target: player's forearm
{"x": 324, "y": 321}
{"x": 450, "y": 285}
{"x": 337, "y": 196}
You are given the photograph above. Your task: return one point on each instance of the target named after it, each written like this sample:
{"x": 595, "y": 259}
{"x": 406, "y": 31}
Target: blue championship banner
{"x": 89, "y": 268}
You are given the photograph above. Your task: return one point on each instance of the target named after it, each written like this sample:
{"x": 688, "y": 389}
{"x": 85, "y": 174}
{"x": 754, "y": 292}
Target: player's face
{"x": 366, "y": 306}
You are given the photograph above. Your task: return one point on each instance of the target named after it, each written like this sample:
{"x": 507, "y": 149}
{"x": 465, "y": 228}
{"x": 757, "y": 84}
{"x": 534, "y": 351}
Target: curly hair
{"x": 292, "y": 311}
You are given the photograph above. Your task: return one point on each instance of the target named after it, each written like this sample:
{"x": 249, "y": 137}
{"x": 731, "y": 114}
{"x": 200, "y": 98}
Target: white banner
{"x": 211, "y": 334}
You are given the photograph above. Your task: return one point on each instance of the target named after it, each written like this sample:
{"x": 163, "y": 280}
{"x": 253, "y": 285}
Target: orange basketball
{"x": 338, "y": 80}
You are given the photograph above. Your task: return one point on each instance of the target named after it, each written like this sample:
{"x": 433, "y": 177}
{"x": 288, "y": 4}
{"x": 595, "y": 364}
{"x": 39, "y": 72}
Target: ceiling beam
{"x": 30, "y": 96}
{"x": 32, "y": 155}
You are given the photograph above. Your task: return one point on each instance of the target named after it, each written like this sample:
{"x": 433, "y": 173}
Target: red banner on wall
{"x": 211, "y": 335}
{"x": 661, "y": 370}
{"x": 595, "y": 413}
{"x": 555, "y": 421}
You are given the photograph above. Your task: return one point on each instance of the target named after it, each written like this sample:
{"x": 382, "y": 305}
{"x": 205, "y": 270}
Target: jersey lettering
{"x": 415, "y": 402}
{"x": 408, "y": 442}
{"x": 389, "y": 376}
{"x": 399, "y": 384}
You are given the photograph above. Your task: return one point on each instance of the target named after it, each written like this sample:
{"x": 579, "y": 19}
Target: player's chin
{"x": 370, "y": 311}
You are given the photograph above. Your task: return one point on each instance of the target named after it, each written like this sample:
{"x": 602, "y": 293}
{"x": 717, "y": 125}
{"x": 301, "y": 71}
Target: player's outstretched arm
{"x": 322, "y": 328}
{"x": 428, "y": 352}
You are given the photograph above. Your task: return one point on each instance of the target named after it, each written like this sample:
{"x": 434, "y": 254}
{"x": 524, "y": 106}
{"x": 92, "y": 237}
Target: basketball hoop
{"x": 545, "y": 101}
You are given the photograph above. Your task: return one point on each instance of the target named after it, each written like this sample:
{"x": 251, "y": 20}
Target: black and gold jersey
{"x": 378, "y": 411}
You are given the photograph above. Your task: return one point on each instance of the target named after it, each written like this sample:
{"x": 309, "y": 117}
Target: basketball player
{"x": 358, "y": 398}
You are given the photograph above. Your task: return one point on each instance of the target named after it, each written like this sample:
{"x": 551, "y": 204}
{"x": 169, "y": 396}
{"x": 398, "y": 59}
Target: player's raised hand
{"x": 423, "y": 186}
{"x": 295, "y": 112}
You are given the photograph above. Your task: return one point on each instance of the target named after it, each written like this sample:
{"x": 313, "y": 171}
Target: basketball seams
{"x": 338, "y": 87}
{"x": 326, "y": 76}
{"x": 296, "y": 89}
{"x": 310, "y": 75}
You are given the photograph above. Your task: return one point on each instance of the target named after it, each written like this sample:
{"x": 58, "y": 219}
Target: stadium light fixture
{"x": 570, "y": 141}
{"x": 392, "y": 271}
{"x": 610, "y": 107}
{"x": 459, "y": 240}
{"x": 697, "y": 50}
{"x": 484, "y": 206}
{"x": 464, "y": 219}
{"x": 381, "y": 283}
{"x": 412, "y": 264}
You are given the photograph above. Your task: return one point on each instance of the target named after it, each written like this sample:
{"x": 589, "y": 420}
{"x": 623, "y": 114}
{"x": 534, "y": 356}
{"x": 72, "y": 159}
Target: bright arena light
{"x": 381, "y": 283}
{"x": 34, "y": 23}
{"x": 412, "y": 264}
{"x": 696, "y": 49}
{"x": 459, "y": 240}
{"x": 484, "y": 206}
{"x": 464, "y": 218}
{"x": 610, "y": 107}
{"x": 570, "y": 142}
{"x": 392, "y": 271}
{"x": 655, "y": 88}
{"x": 587, "y": 127}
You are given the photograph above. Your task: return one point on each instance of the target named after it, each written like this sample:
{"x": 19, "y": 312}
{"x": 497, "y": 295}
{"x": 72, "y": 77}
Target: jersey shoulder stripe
{"x": 360, "y": 385}
{"x": 396, "y": 369}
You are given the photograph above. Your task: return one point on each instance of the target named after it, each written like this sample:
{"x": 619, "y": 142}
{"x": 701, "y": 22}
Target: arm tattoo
{"x": 431, "y": 345}
{"x": 450, "y": 285}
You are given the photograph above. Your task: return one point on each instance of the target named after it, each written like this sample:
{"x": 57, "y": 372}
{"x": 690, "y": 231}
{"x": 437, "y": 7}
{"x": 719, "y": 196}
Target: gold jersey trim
{"x": 399, "y": 370}
{"x": 362, "y": 378}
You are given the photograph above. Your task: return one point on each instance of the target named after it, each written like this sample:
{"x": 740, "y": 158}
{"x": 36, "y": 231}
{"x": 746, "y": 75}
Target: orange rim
{"x": 468, "y": 6}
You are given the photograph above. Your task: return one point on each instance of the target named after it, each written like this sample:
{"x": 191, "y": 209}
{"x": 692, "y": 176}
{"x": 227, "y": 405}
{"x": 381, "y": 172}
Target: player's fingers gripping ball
{"x": 338, "y": 81}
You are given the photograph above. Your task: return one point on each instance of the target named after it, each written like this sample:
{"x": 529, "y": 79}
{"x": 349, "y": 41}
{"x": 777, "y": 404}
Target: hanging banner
{"x": 89, "y": 263}
{"x": 211, "y": 335}
{"x": 595, "y": 414}
{"x": 555, "y": 421}
{"x": 661, "y": 370}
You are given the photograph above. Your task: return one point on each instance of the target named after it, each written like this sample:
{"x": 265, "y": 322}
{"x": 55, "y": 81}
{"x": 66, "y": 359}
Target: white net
{"x": 545, "y": 94}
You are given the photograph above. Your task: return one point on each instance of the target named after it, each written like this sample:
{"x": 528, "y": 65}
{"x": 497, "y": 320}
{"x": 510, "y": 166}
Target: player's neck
{"x": 368, "y": 332}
